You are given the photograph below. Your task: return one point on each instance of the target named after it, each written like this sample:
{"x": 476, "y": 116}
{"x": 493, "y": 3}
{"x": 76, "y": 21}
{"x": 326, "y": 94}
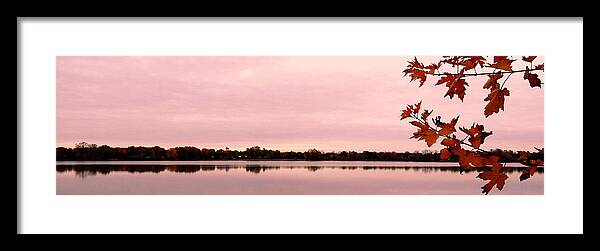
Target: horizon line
{"x": 240, "y": 149}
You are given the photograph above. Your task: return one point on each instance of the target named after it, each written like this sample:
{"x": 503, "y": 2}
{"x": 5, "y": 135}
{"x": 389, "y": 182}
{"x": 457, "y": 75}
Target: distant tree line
{"x": 85, "y": 151}
{"x": 91, "y": 170}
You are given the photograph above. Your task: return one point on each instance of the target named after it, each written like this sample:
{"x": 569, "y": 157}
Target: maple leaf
{"x": 476, "y": 159}
{"x": 417, "y": 107}
{"x": 426, "y": 114}
{"x": 495, "y": 162}
{"x": 451, "y": 60}
{"x": 416, "y": 74}
{"x": 469, "y": 159}
{"x": 456, "y": 85}
{"x": 450, "y": 142}
{"x": 445, "y": 154}
{"x": 496, "y": 179}
{"x": 416, "y": 71}
{"x": 529, "y": 58}
{"x": 502, "y": 63}
{"x": 457, "y": 150}
{"x": 424, "y": 133}
{"x": 410, "y": 110}
{"x": 527, "y": 173}
{"x": 539, "y": 67}
{"x": 476, "y": 134}
{"x": 495, "y": 101}
{"x": 415, "y": 63}
{"x": 532, "y": 78}
{"x": 533, "y": 160}
{"x": 464, "y": 157}
{"x": 492, "y": 83}
{"x": 448, "y": 128}
{"x": 532, "y": 169}
{"x": 406, "y": 113}
{"x": 433, "y": 67}
{"x": 453, "y": 148}
{"x": 536, "y": 162}
{"x": 472, "y": 61}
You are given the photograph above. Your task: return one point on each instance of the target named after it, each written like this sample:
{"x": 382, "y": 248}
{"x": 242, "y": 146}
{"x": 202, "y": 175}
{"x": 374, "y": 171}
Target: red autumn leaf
{"x": 450, "y": 142}
{"x": 476, "y": 134}
{"x": 464, "y": 157}
{"x": 416, "y": 74}
{"x": 495, "y": 162}
{"x": 426, "y": 114}
{"x": 496, "y": 179}
{"x": 529, "y": 58}
{"x": 457, "y": 150}
{"x": 536, "y": 162}
{"x": 495, "y": 101}
{"x": 532, "y": 78}
{"x": 528, "y": 173}
{"x": 539, "y": 67}
{"x": 416, "y": 71}
{"x": 447, "y": 78}
{"x": 445, "y": 154}
{"x": 406, "y": 113}
{"x": 448, "y": 128}
{"x": 433, "y": 67}
{"x": 475, "y": 129}
{"x": 502, "y": 63}
{"x": 415, "y": 63}
{"x": 456, "y": 85}
{"x": 424, "y": 133}
{"x": 469, "y": 159}
{"x": 458, "y": 88}
{"x": 492, "y": 83}
{"x": 417, "y": 107}
{"x": 533, "y": 160}
{"x": 472, "y": 61}
{"x": 476, "y": 159}
{"x": 410, "y": 110}
{"x": 532, "y": 170}
{"x": 451, "y": 60}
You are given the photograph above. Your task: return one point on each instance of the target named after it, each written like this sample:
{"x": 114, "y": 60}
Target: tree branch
{"x": 447, "y": 136}
{"x": 484, "y": 73}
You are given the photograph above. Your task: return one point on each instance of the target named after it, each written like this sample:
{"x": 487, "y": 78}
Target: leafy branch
{"x": 486, "y": 73}
{"x": 475, "y": 135}
{"x": 457, "y": 85}
{"x": 462, "y": 142}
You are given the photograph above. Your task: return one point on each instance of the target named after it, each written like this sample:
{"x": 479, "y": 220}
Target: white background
{"x": 559, "y": 210}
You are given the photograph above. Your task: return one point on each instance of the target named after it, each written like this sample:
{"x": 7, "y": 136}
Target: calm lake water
{"x": 280, "y": 177}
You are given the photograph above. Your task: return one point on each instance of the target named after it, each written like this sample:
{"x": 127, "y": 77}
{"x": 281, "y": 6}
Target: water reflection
{"x": 283, "y": 177}
{"x": 91, "y": 170}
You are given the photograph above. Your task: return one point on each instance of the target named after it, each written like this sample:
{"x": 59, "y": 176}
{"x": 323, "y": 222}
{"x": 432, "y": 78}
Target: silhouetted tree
{"x": 85, "y": 151}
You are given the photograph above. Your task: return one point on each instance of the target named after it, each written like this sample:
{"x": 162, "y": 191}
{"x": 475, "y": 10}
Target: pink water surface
{"x": 328, "y": 179}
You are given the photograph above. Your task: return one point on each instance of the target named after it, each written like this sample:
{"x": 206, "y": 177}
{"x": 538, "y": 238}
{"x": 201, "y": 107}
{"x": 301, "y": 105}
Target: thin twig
{"x": 465, "y": 138}
{"x": 505, "y": 80}
{"x": 484, "y": 73}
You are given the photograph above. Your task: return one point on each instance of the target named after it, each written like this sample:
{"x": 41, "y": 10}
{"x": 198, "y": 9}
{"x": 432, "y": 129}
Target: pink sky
{"x": 288, "y": 103}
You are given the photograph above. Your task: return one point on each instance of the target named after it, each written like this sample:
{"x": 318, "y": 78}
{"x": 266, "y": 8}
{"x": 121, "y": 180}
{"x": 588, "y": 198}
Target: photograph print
{"x": 300, "y": 125}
